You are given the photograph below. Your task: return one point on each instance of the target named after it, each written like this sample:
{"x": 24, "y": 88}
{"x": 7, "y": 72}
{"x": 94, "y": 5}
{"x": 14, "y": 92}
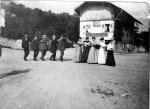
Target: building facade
{"x": 104, "y": 19}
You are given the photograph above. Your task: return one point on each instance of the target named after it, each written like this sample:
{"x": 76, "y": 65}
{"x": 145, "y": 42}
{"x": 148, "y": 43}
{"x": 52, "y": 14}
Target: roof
{"x": 77, "y": 9}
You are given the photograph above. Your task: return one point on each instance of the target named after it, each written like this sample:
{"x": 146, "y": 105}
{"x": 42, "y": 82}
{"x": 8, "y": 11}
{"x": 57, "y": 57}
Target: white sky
{"x": 137, "y": 10}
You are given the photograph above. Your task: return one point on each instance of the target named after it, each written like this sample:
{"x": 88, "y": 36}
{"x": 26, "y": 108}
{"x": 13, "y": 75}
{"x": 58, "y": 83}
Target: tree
{"x": 38, "y": 22}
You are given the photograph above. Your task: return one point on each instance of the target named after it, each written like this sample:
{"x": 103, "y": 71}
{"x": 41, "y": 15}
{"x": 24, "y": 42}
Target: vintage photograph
{"x": 74, "y": 54}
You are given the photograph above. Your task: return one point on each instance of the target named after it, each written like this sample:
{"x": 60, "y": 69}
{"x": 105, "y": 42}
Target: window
{"x": 107, "y": 27}
{"x": 83, "y": 27}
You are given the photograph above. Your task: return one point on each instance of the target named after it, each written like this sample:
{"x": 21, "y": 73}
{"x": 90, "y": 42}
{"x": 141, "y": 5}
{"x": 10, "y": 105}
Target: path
{"x": 68, "y": 85}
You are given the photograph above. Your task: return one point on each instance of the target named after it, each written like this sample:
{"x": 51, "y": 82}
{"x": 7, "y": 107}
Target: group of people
{"x": 86, "y": 52}
{"x": 43, "y": 46}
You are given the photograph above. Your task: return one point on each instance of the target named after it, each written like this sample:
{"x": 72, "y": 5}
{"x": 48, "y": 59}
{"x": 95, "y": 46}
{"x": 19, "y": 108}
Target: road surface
{"x": 67, "y": 85}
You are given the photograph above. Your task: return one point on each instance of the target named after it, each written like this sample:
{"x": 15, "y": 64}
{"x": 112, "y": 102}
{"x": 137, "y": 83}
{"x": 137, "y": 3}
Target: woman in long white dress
{"x": 101, "y": 54}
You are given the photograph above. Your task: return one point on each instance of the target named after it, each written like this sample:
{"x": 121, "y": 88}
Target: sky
{"x": 136, "y": 8}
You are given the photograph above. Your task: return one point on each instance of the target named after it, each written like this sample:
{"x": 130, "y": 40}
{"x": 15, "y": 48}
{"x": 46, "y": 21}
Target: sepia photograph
{"x": 74, "y": 54}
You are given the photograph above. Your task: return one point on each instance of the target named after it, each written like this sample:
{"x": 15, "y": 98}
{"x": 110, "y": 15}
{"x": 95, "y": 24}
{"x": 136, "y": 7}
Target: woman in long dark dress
{"x": 78, "y": 54}
{"x": 110, "y": 60}
{"x": 86, "y": 48}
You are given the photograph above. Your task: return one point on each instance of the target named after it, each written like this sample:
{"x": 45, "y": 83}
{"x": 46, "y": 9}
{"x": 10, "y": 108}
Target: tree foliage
{"x": 38, "y": 22}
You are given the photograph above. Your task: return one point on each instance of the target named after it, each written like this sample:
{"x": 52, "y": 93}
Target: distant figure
{"x": 43, "y": 47}
{"x": 35, "y": 43}
{"x": 61, "y": 47}
{"x": 0, "y": 50}
{"x": 101, "y": 54}
{"x": 53, "y": 48}
{"x": 86, "y": 48}
{"x": 93, "y": 56}
{"x": 25, "y": 46}
{"x": 110, "y": 60}
{"x": 78, "y": 54}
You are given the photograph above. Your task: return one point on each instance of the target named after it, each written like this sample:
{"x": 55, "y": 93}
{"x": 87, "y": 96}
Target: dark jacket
{"x": 0, "y": 51}
{"x": 35, "y": 44}
{"x": 53, "y": 47}
{"x": 61, "y": 44}
{"x": 43, "y": 44}
{"x": 25, "y": 43}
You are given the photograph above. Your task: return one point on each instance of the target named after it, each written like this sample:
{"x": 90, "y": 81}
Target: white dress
{"x": 101, "y": 54}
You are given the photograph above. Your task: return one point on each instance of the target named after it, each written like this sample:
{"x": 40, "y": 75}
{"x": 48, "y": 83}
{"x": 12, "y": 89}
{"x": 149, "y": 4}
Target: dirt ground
{"x": 67, "y": 85}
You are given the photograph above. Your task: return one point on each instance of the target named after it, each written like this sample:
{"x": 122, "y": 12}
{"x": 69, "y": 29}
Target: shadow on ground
{"x": 57, "y": 59}
{"x": 14, "y": 73}
{"x": 67, "y": 59}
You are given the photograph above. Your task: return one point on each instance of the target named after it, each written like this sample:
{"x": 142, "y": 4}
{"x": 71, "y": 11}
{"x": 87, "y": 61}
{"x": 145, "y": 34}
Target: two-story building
{"x": 104, "y": 19}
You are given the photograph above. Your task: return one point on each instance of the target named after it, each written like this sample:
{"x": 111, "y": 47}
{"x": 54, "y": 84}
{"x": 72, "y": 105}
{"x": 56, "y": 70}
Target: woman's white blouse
{"x": 110, "y": 47}
{"x": 102, "y": 44}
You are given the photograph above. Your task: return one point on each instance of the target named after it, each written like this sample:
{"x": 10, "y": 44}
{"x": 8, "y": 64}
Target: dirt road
{"x": 68, "y": 85}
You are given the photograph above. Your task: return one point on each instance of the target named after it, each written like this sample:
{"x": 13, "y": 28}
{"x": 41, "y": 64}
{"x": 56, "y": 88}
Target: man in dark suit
{"x": 35, "y": 43}
{"x": 61, "y": 47}
{"x": 53, "y": 48}
{"x": 0, "y": 50}
{"x": 25, "y": 46}
{"x": 43, "y": 47}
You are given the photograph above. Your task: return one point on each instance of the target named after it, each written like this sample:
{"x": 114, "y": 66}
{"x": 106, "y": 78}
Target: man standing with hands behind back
{"x": 25, "y": 46}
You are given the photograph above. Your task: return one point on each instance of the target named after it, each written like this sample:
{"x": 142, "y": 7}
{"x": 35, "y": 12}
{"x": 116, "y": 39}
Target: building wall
{"x": 2, "y": 17}
{"x": 96, "y": 12}
{"x": 94, "y": 27}
{"x": 127, "y": 39}
{"x": 93, "y": 20}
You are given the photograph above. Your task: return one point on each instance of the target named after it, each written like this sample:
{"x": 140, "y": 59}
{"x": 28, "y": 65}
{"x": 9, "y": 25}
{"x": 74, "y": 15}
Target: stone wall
{"x": 11, "y": 43}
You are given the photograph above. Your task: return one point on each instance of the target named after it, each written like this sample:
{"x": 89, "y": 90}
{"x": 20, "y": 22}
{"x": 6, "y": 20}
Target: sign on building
{"x": 96, "y": 24}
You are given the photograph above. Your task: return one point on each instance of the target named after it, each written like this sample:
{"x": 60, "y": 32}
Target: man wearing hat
{"x": 25, "y": 46}
{"x": 35, "y": 43}
{"x": 43, "y": 47}
{"x": 61, "y": 47}
{"x": 0, "y": 50}
{"x": 53, "y": 48}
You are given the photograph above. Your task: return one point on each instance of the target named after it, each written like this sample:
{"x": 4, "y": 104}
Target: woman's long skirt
{"x": 92, "y": 57}
{"x": 101, "y": 56}
{"x": 78, "y": 54}
{"x": 110, "y": 60}
{"x": 85, "y": 54}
